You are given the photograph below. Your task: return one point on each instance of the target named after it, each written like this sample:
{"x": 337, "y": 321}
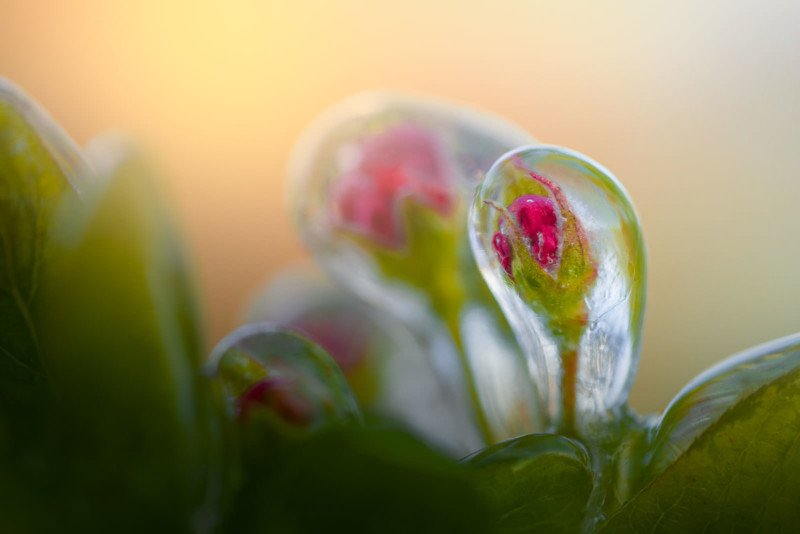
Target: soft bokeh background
{"x": 694, "y": 105}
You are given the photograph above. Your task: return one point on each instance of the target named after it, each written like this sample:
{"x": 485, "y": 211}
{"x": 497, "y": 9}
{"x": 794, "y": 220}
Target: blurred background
{"x": 695, "y": 106}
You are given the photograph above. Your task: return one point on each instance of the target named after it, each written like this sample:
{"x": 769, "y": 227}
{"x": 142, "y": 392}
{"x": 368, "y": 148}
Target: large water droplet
{"x": 558, "y": 241}
{"x": 381, "y": 186}
{"x": 268, "y": 371}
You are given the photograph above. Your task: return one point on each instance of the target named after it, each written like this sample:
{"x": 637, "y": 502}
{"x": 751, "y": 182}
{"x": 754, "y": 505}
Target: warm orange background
{"x": 694, "y": 105}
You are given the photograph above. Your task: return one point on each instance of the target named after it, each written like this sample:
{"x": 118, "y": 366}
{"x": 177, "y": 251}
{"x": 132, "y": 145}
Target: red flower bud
{"x": 537, "y": 220}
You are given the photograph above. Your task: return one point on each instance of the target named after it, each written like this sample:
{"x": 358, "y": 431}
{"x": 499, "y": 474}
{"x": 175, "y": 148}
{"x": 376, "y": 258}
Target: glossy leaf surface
{"x": 537, "y": 483}
{"x": 725, "y": 456}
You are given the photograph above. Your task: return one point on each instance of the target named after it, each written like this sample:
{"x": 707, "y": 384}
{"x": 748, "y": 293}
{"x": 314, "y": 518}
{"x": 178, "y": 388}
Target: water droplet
{"x": 558, "y": 242}
{"x": 381, "y": 187}
{"x": 268, "y": 370}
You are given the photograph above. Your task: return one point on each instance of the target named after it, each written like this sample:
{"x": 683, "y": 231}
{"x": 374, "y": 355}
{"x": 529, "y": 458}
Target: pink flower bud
{"x": 404, "y": 162}
{"x": 537, "y": 220}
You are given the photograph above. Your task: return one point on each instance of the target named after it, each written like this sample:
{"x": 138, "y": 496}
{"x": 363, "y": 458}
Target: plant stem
{"x": 569, "y": 377}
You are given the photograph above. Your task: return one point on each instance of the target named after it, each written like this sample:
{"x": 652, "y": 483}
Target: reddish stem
{"x": 569, "y": 377}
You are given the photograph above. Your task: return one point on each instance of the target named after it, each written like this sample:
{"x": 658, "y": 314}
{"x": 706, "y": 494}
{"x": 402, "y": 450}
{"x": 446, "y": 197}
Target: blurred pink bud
{"x": 405, "y": 161}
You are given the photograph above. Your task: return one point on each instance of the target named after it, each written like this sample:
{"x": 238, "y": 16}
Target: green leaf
{"x": 725, "y": 455}
{"x": 37, "y": 164}
{"x": 139, "y": 437}
{"x": 359, "y": 480}
{"x": 537, "y": 483}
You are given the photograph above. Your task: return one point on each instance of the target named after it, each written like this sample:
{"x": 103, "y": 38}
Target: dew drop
{"x": 267, "y": 370}
{"x": 572, "y": 285}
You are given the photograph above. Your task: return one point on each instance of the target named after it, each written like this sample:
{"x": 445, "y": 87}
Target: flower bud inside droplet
{"x": 280, "y": 396}
{"x": 536, "y": 218}
{"x": 406, "y": 161}
{"x": 274, "y": 378}
{"x": 559, "y": 243}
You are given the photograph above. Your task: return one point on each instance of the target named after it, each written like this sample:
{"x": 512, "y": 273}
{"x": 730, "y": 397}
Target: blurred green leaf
{"x": 359, "y": 480}
{"x": 39, "y": 165}
{"x": 537, "y": 483}
{"x": 32, "y": 184}
{"x": 139, "y": 436}
{"x": 725, "y": 457}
